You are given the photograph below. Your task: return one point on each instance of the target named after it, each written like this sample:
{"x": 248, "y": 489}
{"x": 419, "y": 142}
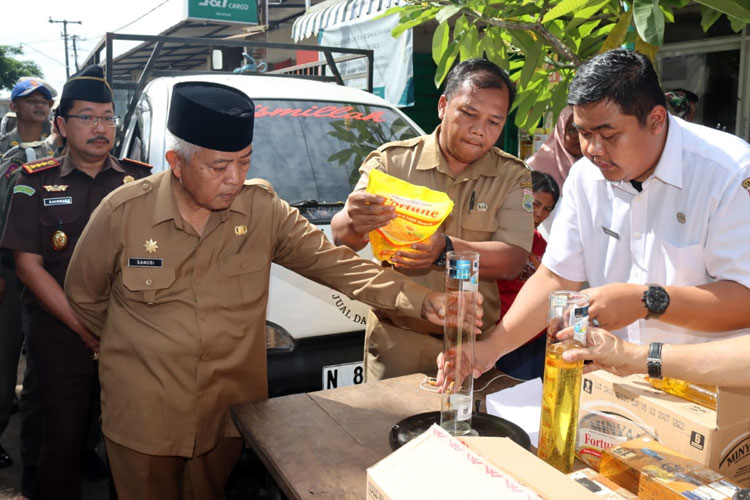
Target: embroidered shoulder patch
{"x": 746, "y": 184}
{"x": 528, "y": 200}
{"x": 39, "y": 165}
{"x": 22, "y": 188}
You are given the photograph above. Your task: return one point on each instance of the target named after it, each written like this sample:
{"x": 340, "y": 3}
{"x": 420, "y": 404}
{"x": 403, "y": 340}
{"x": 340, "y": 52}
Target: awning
{"x": 333, "y": 12}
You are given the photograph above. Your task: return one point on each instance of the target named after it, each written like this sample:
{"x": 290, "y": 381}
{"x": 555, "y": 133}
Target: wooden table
{"x": 319, "y": 445}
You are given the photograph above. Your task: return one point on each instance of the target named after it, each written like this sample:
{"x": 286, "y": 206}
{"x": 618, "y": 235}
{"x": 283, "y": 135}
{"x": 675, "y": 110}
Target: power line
{"x": 140, "y": 17}
{"x": 23, "y": 44}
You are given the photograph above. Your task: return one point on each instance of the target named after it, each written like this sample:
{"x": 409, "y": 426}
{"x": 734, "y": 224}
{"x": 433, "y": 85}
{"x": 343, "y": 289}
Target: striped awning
{"x": 334, "y": 12}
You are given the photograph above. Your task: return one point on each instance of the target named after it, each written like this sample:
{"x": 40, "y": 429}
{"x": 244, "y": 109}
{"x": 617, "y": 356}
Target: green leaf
{"x": 531, "y": 64}
{"x": 494, "y": 48}
{"x": 440, "y": 40}
{"x": 736, "y": 23}
{"x": 616, "y": 37}
{"x": 649, "y": 21}
{"x": 559, "y": 97}
{"x": 647, "y": 49}
{"x": 708, "y": 17}
{"x": 563, "y": 8}
{"x": 446, "y": 62}
{"x": 729, "y": 8}
{"x": 413, "y": 18}
{"x": 447, "y": 12}
{"x": 469, "y": 46}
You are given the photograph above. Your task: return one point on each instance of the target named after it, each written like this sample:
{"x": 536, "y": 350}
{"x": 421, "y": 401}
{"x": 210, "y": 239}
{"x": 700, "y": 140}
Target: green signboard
{"x": 236, "y": 11}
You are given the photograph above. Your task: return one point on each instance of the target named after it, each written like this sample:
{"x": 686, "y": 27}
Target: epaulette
{"x": 130, "y": 190}
{"x": 39, "y": 165}
{"x": 406, "y": 143}
{"x": 509, "y": 156}
{"x": 261, "y": 183}
{"x": 130, "y": 161}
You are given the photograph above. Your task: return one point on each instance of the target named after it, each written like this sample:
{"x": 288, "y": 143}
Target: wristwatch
{"x": 653, "y": 363}
{"x": 440, "y": 261}
{"x": 656, "y": 301}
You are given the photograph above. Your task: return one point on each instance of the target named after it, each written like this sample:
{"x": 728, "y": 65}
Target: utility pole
{"x": 65, "y": 23}
{"x": 75, "y": 50}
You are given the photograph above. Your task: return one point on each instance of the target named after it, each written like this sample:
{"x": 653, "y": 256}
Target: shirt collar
{"x": 432, "y": 157}
{"x": 68, "y": 165}
{"x": 669, "y": 168}
{"x": 165, "y": 207}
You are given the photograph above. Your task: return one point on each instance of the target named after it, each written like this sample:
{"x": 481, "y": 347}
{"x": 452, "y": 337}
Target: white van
{"x": 310, "y": 139}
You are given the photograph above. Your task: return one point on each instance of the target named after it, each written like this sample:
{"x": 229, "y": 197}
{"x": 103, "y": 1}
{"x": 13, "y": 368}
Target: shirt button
{"x": 637, "y": 235}
{"x": 204, "y": 356}
{"x": 197, "y": 281}
{"x": 243, "y": 265}
{"x": 148, "y": 282}
{"x": 146, "y": 186}
{"x": 203, "y": 317}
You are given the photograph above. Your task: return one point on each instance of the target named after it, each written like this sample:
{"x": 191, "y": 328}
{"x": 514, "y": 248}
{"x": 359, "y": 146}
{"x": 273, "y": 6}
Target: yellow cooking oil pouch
{"x": 419, "y": 213}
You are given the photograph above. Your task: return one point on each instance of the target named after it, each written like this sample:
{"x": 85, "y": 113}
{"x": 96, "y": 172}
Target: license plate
{"x": 342, "y": 375}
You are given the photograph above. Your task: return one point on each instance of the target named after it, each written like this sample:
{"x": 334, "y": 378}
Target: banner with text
{"x": 236, "y": 11}
{"x": 393, "y": 77}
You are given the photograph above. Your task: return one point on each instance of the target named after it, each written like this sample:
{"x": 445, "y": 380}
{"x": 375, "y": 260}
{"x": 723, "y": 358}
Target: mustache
{"x": 97, "y": 138}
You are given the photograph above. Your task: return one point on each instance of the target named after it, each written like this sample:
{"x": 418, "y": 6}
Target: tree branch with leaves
{"x": 542, "y": 42}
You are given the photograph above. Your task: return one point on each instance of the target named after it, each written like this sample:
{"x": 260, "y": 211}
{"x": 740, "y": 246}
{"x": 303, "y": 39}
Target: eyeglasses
{"x": 106, "y": 120}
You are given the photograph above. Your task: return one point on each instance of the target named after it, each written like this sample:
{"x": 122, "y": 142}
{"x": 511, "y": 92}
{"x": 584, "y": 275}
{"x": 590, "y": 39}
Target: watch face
{"x": 657, "y": 300}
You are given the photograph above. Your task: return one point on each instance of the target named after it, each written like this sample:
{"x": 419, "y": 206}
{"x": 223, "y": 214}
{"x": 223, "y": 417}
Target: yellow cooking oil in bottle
{"x": 562, "y": 381}
{"x": 704, "y": 395}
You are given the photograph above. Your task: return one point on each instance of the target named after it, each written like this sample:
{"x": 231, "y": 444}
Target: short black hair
{"x": 482, "y": 74}
{"x": 625, "y": 77}
{"x": 64, "y": 108}
{"x": 541, "y": 181}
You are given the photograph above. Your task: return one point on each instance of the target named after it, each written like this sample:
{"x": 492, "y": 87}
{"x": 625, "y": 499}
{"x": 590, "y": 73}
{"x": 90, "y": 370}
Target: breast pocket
{"x": 148, "y": 285}
{"x": 476, "y": 227}
{"x": 684, "y": 266}
{"x": 248, "y": 272}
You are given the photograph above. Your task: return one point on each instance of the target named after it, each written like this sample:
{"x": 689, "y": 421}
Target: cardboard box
{"x": 602, "y": 487}
{"x": 436, "y": 465}
{"x": 655, "y": 472}
{"x": 616, "y": 409}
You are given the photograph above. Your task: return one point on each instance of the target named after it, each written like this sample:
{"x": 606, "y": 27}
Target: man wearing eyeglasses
{"x": 52, "y": 201}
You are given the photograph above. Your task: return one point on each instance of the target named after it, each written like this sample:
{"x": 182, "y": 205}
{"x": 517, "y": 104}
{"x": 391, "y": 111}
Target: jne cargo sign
{"x": 236, "y": 11}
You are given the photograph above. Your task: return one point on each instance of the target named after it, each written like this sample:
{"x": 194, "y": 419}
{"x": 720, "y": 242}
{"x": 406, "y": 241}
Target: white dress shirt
{"x": 690, "y": 224}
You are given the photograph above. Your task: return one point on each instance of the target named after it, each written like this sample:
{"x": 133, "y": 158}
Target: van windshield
{"x": 311, "y": 151}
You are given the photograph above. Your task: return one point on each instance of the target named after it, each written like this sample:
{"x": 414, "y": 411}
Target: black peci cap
{"x": 88, "y": 85}
{"x": 211, "y": 115}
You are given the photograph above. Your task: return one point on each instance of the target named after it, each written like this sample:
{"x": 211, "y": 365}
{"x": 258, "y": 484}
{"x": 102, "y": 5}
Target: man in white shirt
{"x": 654, "y": 218}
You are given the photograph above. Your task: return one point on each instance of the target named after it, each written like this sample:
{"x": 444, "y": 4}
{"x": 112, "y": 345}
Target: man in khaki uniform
{"x": 172, "y": 273}
{"x": 31, "y": 100}
{"x": 492, "y": 212}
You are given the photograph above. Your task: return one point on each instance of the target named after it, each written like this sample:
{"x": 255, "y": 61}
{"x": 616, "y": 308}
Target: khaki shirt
{"x": 496, "y": 185}
{"x": 182, "y": 316}
{"x": 13, "y": 139}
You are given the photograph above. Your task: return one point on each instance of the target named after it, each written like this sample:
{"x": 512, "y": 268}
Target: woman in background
{"x": 527, "y": 361}
{"x": 560, "y": 151}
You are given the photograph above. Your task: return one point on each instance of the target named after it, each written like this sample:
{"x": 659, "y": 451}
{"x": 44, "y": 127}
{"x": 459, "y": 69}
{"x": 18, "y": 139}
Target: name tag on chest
{"x": 134, "y": 262}
{"x": 53, "y": 202}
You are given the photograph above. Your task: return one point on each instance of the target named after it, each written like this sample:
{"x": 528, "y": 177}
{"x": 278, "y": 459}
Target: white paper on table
{"x": 520, "y": 404}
